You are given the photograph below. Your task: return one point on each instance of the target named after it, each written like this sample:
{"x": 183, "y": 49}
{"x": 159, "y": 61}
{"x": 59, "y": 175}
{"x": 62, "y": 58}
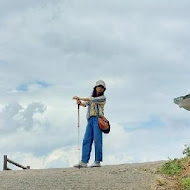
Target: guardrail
{"x": 6, "y": 160}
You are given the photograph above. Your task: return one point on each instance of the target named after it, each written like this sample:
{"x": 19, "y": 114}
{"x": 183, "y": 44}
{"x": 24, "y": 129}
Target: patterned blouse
{"x": 95, "y": 104}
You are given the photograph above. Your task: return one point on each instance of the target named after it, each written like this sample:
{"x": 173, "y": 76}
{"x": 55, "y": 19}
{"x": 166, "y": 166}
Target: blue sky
{"x": 25, "y": 86}
{"x": 53, "y": 50}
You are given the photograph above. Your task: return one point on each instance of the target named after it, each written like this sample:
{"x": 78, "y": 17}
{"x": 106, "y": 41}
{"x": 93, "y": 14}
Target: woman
{"x": 93, "y": 133}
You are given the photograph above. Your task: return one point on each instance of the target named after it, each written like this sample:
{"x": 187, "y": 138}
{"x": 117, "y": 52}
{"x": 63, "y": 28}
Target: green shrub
{"x": 185, "y": 183}
{"x": 172, "y": 168}
{"x": 186, "y": 151}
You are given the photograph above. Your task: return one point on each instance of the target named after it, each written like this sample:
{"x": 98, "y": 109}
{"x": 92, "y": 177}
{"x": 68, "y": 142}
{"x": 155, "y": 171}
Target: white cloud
{"x": 141, "y": 51}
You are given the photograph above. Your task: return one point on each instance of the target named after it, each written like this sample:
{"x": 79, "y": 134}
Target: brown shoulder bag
{"x": 104, "y": 124}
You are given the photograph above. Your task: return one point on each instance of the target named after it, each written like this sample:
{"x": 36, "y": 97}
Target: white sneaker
{"x": 96, "y": 164}
{"x": 81, "y": 165}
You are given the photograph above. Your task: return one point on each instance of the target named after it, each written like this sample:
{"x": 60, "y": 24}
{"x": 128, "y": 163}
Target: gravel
{"x": 126, "y": 176}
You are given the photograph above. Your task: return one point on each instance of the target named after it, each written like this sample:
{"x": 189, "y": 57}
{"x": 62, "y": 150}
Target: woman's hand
{"x": 78, "y": 102}
{"x": 76, "y": 98}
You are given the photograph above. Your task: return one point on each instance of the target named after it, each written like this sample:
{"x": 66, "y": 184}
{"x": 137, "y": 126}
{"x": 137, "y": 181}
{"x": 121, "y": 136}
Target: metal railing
{"x": 6, "y": 160}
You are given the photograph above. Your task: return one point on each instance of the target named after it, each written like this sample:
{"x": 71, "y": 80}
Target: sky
{"x": 52, "y": 50}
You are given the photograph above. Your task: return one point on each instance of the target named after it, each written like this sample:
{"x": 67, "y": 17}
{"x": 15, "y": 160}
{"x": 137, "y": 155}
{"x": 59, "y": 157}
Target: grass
{"x": 172, "y": 168}
{"x": 179, "y": 171}
{"x": 185, "y": 183}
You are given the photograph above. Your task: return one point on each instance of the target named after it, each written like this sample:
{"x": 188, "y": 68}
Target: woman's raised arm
{"x": 84, "y": 99}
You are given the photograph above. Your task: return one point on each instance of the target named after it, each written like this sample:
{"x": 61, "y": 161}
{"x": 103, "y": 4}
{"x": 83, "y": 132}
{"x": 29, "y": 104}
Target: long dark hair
{"x": 94, "y": 94}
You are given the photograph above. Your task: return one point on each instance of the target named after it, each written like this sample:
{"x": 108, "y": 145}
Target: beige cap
{"x": 101, "y": 82}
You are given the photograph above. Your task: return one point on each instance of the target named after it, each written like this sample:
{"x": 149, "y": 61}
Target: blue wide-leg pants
{"x": 92, "y": 134}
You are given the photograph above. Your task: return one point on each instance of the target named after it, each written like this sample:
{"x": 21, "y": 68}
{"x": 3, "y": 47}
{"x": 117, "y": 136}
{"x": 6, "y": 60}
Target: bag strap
{"x": 97, "y": 110}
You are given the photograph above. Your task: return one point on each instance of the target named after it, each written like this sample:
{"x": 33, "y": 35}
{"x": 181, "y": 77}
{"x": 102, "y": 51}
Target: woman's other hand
{"x": 76, "y": 98}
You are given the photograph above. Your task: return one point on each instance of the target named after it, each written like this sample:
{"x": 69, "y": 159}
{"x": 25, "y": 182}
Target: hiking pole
{"x": 78, "y": 135}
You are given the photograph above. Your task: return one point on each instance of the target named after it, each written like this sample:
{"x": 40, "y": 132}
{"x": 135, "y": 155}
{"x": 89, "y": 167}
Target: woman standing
{"x": 93, "y": 133}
